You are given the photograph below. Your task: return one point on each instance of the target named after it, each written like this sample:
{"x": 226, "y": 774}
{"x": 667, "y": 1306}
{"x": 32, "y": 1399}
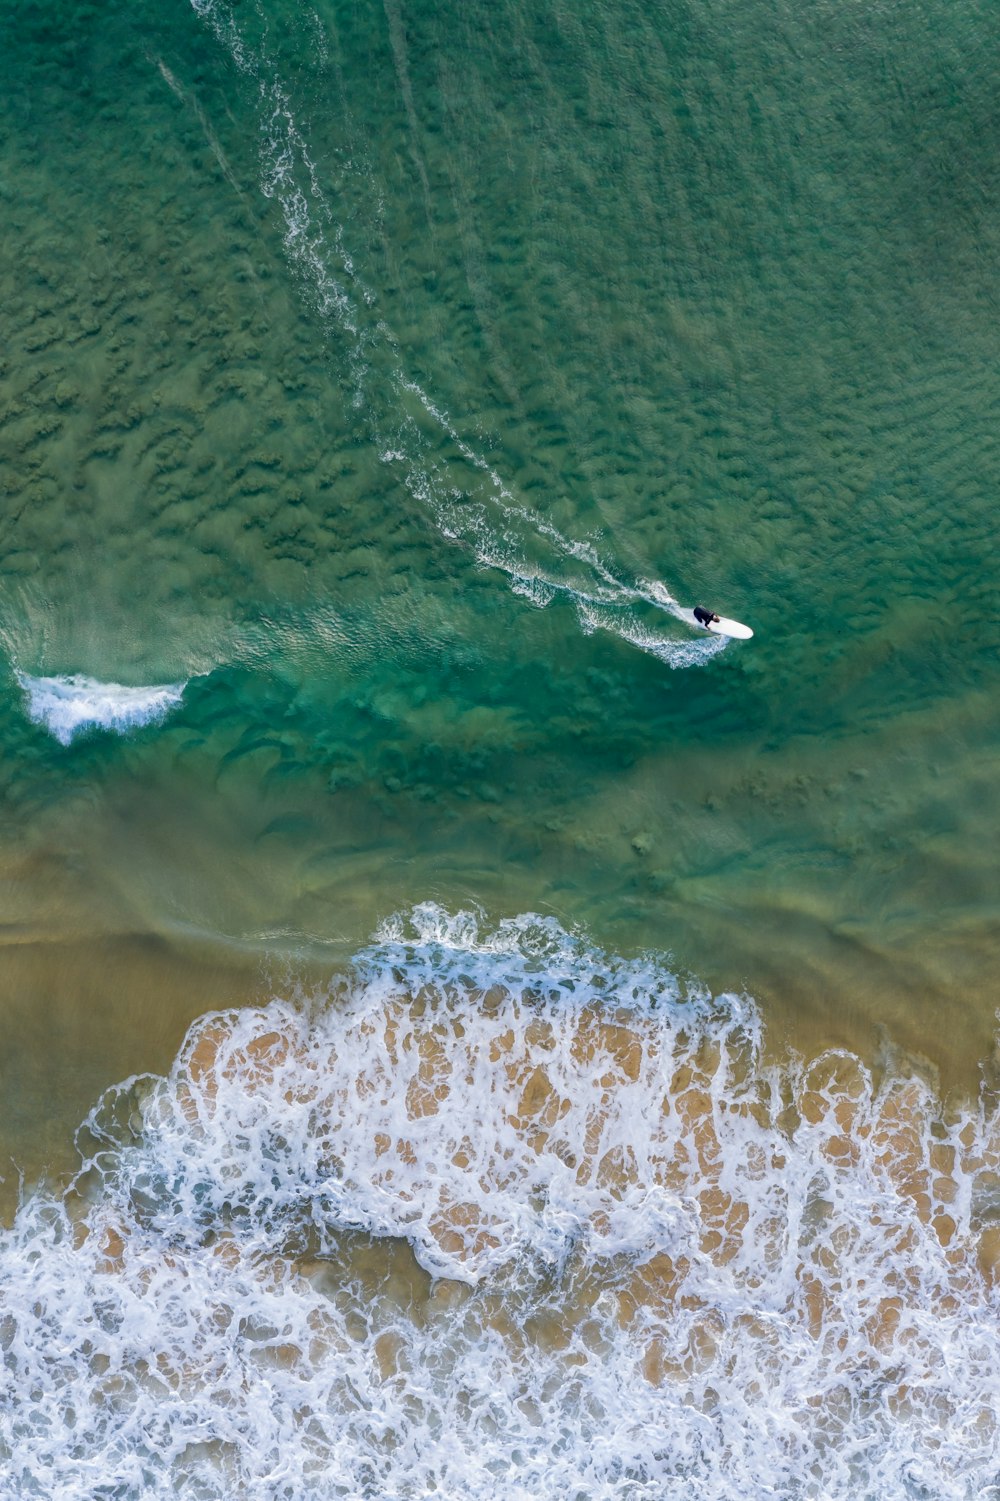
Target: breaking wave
{"x": 500, "y": 1215}
{"x": 66, "y": 706}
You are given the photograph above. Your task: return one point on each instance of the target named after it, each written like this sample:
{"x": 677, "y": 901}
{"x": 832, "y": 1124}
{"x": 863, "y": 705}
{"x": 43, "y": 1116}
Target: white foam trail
{"x": 481, "y": 511}
{"x": 67, "y": 705}
{"x": 672, "y": 1271}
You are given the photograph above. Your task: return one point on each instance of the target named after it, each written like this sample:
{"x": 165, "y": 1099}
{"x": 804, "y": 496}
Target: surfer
{"x": 704, "y": 617}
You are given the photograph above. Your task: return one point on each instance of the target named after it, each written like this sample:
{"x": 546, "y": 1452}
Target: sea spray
{"x": 500, "y": 1215}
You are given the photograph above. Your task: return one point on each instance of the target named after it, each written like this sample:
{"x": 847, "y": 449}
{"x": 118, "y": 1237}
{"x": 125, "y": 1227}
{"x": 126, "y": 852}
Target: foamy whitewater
{"x": 68, "y": 705}
{"x": 500, "y": 1216}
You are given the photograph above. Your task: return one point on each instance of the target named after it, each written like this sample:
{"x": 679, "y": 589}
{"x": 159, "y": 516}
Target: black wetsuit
{"x": 704, "y": 617}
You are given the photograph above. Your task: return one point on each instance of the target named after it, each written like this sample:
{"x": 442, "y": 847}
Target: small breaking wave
{"x": 66, "y": 706}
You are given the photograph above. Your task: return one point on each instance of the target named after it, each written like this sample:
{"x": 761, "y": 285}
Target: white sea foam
{"x": 669, "y": 1271}
{"x": 67, "y": 705}
{"x": 464, "y": 492}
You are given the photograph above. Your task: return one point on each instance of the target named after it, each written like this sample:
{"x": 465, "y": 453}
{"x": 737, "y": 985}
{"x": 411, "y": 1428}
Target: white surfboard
{"x": 724, "y": 627}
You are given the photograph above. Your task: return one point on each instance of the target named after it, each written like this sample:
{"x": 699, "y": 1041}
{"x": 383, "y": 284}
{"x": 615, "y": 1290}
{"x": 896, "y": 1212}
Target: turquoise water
{"x": 380, "y": 384}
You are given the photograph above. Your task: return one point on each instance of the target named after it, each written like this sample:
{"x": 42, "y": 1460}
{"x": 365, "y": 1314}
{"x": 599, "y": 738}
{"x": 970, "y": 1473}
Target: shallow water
{"x": 377, "y": 390}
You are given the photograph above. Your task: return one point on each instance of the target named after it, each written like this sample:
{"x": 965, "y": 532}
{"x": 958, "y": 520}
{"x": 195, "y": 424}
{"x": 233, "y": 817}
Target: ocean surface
{"x": 467, "y": 1032}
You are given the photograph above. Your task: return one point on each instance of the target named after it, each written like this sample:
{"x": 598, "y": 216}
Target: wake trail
{"x": 464, "y": 493}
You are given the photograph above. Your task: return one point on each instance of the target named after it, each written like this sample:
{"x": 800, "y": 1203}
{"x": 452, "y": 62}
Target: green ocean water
{"x": 323, "y": 327}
